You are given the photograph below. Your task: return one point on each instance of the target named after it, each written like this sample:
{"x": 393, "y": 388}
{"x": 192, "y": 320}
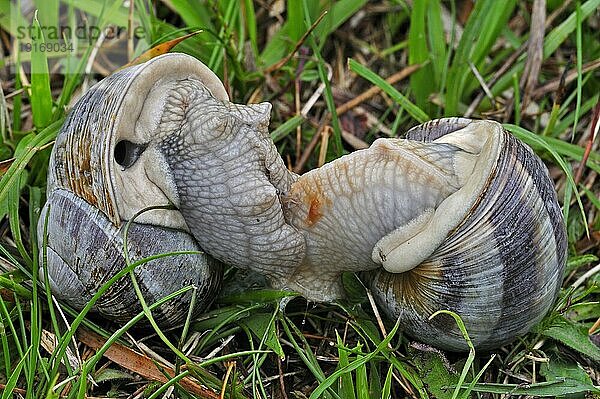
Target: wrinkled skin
{"x": 246, "y": 209}
{"x": 229, "y": 177}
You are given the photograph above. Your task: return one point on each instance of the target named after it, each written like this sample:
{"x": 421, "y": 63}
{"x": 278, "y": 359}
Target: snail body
{"x": 459, "y": 216}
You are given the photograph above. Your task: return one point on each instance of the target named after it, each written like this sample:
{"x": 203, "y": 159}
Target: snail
{"x": 459, "y": 216}
{"x": 102, "y": 173}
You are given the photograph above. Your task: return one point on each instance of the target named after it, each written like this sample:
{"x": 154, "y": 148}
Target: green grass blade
{"x": 194, "y": 14}
{"x": 48, "y": 12}
{"x": 362, "y": 381}
{"x": 11, "y": 384}
{"x": 387, "y": 384}
{"x": 549, "y": 389}
{"x": 286, "y": 128}
{"x": 250, "y": 19}
{"x": 12, "y": 175}
{"x": 5, "y": 347}
{"x": 529, "y": 137}
{"x": 41, "y": 97}
{"x": 60, "y": 351}
{"x": 353, "y": 365}
{"x": 327, "y": 93}
{"x": 470, "y": 357}
{"x": 437, "y": 43}
{"x": 552, "y": 41}
{"x": 295, "y": 20}
{"x": 308, "y": 358}
{"x": 483, "y": 28}
{"x": 338, "y": 13}
{"x": 421, "y": 82}
{"x": 346, "y": 384}
{"x": 14, "y": 197}
{"x": 559, "y": 34}
{"x": 416, "y": 112}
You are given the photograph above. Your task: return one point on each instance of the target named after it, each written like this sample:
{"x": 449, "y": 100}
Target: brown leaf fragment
{"x": 4, "y": 165}
{"x": 141, "y": 364}
{"x": 160, "y": 49}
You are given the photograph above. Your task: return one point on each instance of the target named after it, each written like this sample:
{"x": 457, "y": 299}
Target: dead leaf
{"x": 140, "y": 364}
{"x": 160, "y": 49}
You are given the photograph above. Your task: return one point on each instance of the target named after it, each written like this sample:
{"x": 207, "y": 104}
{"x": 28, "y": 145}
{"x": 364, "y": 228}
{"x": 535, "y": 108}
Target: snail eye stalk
{"x": 127, "y": 153}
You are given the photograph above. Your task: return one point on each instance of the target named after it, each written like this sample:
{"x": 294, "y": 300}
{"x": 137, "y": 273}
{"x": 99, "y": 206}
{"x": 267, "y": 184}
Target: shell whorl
{"x": 500, "y": 269}
{"x": 90, "y": 195}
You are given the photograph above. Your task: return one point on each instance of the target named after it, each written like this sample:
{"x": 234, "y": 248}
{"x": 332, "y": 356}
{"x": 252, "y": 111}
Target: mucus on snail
{"x": 460, "y": 215}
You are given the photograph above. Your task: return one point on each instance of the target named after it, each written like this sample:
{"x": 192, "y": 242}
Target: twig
{"x": 535, "y": 51}
{"x": 91, "y": 60}
{"x": 497, "y": 75}
{"x": 484, "y": 86}
{"x": 285, "y": 59}
{"x": 17, "y": 390}
{"x": 371, "y": 92}
{"x": 594, "y": 327}
{"x": 140, "y": 364}
{"x": 311, "y": 145}
{"x": 325, "y": 134}
{"x": 299, "y": 127}
{"x": 511, "y": 60}
{"x": 281, "y": 376}
{"x": 569, "y": 77}
{"x": 354, "y": 141}
{"x": 374, "y": 90}
{"x": 230, "y": 367}
{"x": 218, "y": 349}
{"x": 594, "y": 127}
{"x": 377, "y": 315}
{"x": 316, "y": 94}
{"x": 586, "y": 275}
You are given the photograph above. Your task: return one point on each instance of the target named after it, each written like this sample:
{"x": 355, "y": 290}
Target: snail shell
{"x": 500, "y": 268}
{"x": 103, "y": 170}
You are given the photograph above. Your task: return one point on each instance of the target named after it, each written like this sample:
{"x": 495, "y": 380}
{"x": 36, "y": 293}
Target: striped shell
{"x": 92, "y": 191}
{"x": 500, "y": 268}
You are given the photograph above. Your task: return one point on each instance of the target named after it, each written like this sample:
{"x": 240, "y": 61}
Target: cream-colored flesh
{"x": 389, "y": 205}
{"x": 148, "y": 181}
{"x": 410, "y": 244}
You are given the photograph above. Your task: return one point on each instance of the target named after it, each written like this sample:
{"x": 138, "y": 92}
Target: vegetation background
{"x": 340, "y": 74}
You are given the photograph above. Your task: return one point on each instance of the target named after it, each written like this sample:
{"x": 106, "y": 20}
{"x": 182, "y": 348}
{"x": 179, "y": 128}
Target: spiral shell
{"x": 500, "y": 268}
{"x": 101, "y": 174}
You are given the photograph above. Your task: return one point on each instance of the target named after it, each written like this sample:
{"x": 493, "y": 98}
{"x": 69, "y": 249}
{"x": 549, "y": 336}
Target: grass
{"x": 246, "y": 345}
